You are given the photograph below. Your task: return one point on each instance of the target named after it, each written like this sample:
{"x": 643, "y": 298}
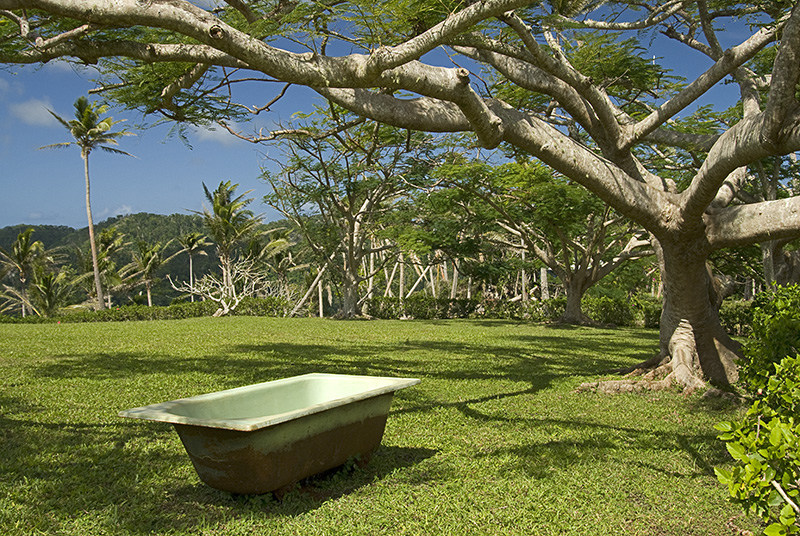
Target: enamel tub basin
{"x": 266, "y": 436}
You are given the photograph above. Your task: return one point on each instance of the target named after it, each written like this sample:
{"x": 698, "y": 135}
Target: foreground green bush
{"x": 775, "y": 335}
{"x": 765, "y": 479}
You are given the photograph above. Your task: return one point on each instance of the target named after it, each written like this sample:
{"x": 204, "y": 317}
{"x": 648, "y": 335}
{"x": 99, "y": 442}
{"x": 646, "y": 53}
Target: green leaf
{"x": 725, "y": 426}
{"x": 737, "y": 451}
{"x": 776, "y": 529}
{"x": 723, "y": 475}
{"x": 787, "y": 515}
{"x": 775, "y": 436}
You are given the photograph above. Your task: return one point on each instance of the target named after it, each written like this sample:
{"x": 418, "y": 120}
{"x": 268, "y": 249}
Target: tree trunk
{"x": 768, "y": 262}
{"x": 543, "y": 283}
{"x": 454, "y": 286}
{"x": 573, "y": 312}
{"x": 695, "y": 349}
{"x": 691, "y": 332}
{"x": 191, "y": 277}
{"x": 349, "y": 296}
{"x": 319, "y": 297}
{"x": 92, "y": 245}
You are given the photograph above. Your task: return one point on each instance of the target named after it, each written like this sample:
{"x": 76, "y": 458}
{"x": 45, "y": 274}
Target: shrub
{"x": 775, "y": 334}
{"x": 384, "y": 307}
{"x": 608, "y": 310}
{"x": 765, "y": 478}
{"x": 270, "y": 306}
{"x": 736, "y": 316}
{"x": 765, "y": 445}
{"x": 647, "y": 310}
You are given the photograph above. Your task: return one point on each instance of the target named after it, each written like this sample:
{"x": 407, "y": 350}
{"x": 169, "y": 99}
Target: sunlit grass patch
{"x": 495, "y": 440}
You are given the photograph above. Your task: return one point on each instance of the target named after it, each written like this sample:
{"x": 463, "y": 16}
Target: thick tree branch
{"x": 686, "y": 140}
{"x": 386, "y": 58}
{"x": 91, "y": 52}
{"x": 561, "y": 69}
{"x": 731, "y": 60}
{"x": 422, "y": 113}
{"x": 742, "y": 225}
{"x": 741, "y": 145}
{"x": 532, "y": 78}
{"x": 785, "y": 75}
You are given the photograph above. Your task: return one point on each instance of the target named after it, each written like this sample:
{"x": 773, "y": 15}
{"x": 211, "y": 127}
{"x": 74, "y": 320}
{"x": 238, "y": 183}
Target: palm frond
{"x": 61, "y": 145}
{"x": 112, "y": 150}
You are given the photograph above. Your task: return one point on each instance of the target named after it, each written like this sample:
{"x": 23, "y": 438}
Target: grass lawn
{"x": 493, "y": 441}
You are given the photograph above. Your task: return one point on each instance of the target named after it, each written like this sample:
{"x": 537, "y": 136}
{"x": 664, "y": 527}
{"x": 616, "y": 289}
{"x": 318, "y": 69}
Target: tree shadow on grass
{"x": 539, "y": 458}
{"x": 135, "y": 478}
{"x": 241, "y": 365}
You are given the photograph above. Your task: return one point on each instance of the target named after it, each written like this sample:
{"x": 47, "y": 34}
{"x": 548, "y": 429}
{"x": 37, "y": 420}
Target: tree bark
{"x": 573, "y": 312}
{"x": 691, "y": 332}
{"x": 349, "y": 294}
{"x": 98, "y": 285}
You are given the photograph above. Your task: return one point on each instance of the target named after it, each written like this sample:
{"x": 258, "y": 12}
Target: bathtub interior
{"x": 260, "y": 405}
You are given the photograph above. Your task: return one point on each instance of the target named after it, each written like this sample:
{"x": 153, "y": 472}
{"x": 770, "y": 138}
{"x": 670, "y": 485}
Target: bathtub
{"x": 267, "y": 436}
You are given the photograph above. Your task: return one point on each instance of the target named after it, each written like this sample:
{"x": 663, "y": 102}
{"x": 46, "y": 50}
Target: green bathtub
{"x": 267, "y": 436}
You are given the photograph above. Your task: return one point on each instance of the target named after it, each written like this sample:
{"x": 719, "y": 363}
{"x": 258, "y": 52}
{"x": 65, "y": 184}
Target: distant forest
{"x": 68, "y": 242}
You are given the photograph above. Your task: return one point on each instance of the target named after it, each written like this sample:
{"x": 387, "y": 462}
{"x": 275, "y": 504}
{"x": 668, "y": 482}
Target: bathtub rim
{"x": 162, "y": 412}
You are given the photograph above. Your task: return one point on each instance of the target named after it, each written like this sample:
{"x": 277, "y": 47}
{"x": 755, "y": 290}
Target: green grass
{"x": 495, "y": 440}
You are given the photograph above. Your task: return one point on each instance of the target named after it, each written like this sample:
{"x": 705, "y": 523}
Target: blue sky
{"x": 47, "y": 187}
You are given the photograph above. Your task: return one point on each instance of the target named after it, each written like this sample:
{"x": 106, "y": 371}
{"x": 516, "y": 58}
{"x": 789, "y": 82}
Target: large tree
{"x": 338, "y": 178}
{"x": 592, "y": 123}
{"x": 572, "y": 232}
{"x": 90, "y": 131}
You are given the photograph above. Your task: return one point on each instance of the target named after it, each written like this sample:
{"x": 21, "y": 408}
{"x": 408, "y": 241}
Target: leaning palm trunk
{"x": 92, "y": 244}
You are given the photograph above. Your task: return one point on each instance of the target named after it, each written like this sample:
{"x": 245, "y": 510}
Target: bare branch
{"x": 657, "y": 15}
{"x": 244, "y": 9}
{"x": 185, "y": 81}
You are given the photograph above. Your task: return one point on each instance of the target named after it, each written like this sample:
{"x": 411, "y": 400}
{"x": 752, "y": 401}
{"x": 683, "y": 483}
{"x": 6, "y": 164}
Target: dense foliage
{"x": 765, "y": 444}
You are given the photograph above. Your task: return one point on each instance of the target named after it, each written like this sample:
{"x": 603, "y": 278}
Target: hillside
{"x": 150, "y": 228}
{"x": 142, "y": 226}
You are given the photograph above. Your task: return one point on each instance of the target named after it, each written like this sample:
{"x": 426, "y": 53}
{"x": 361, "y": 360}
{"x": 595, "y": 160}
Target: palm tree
{"x": 193, "y": 244}
{"x": 49, "y": 291}
{"x": 229, "y": 223}
{"x": 21, "y": 259}
{"x": 90, "y": 132}
{"x": 146, "y": 262}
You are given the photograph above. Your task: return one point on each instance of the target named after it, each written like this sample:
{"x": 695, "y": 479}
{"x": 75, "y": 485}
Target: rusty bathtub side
{"x": 263, "y": 437}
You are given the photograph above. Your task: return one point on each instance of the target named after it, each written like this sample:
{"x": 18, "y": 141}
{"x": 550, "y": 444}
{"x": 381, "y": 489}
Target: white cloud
{"x": 123, "y": 210}
{"x": 34, "y": 112}
{"x": 217, "y": 135}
